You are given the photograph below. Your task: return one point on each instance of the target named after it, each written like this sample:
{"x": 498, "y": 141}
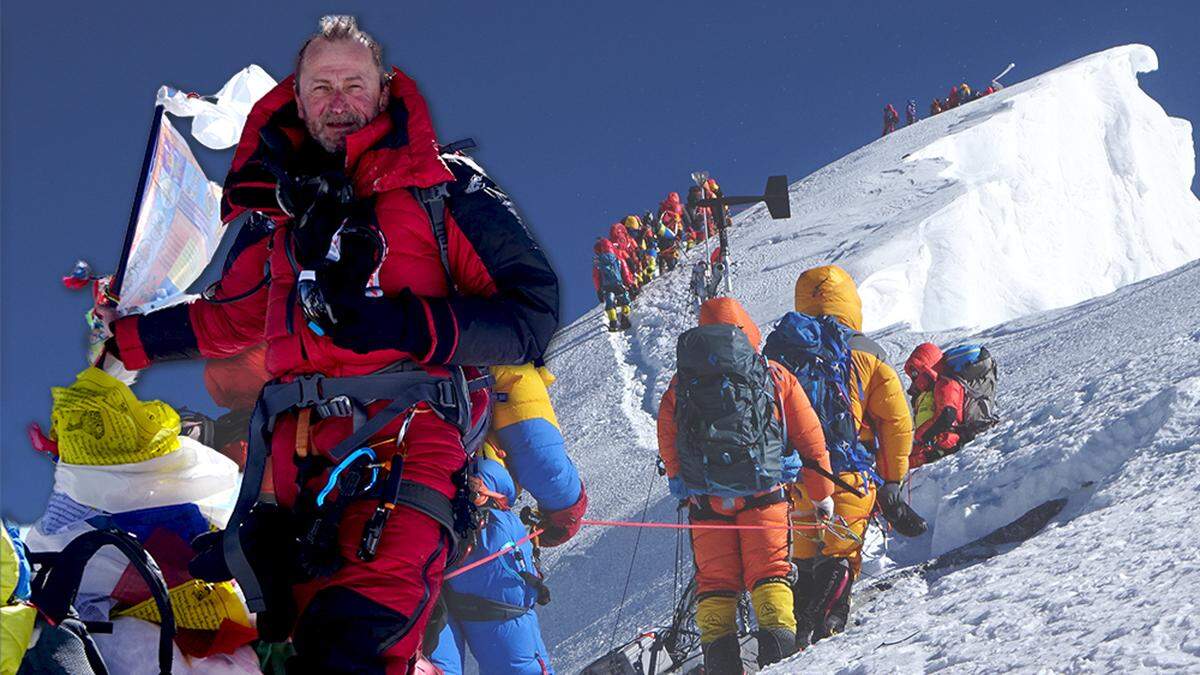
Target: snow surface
{"x": 1053, "y": 192}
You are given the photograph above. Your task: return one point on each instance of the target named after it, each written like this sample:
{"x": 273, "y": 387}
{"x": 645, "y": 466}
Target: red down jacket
{"x": 504, "y": 312}
{"x": 605, "y": 246}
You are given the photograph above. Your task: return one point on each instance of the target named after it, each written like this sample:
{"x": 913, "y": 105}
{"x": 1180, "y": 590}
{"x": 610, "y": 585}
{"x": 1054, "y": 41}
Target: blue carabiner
{"x": 337, "y": 471}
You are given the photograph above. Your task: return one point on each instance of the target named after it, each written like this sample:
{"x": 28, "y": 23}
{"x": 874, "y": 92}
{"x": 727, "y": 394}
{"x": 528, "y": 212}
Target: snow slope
{"x": 1102, "y": 403}
{"x": 1055, "y": 191}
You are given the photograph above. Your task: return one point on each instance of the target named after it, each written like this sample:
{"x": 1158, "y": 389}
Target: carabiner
{"x": 344, "y": 464}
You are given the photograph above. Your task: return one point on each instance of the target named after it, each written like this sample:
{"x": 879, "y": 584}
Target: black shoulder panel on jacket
{"x": 518, "y": 328}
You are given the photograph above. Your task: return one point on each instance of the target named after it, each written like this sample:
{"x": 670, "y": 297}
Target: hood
{"x": 923, "y": 361}
{"x": 603, "y": 246}
{"x": 673, "y": 198}
{"x": 633, "y": 223}
{"x": 617, "y": 232}
{"x": 730, "y": 312}
{"x": 829, "y": 290}
{"x": 496, "y": 478}
{"x": 397, "y": 149}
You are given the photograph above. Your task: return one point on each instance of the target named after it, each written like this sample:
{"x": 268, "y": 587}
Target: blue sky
{"x": 583, "y": 111}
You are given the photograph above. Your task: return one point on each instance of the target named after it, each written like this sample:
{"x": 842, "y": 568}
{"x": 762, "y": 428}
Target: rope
{"x": 632, "y": 559}
{"x": 840, "y": 530}
{"x": 487, "y": 559}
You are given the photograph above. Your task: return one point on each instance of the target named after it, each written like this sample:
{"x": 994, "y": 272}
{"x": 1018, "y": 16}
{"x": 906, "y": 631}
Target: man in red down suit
{"x": 383, "y": 278}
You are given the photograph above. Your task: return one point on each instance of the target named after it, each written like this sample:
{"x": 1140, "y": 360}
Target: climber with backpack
{"x": 612, "y": 279}
{"x": 953, "y": 398}
{"x": 733, "y": 429}
{"x": 627, "y": 249}
{"x": 489, "y": 607}
{"x": 890, "y": 119}
{"x": 668, "y": 241}
{"x": 868, "y": 435}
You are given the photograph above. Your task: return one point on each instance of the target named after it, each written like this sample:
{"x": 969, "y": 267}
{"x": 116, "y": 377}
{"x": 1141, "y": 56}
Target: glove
{"x": 790, "y": 467}
{"x": 947, "y": 443}
{"x": 896, "y": 511}
{"x": 318, "y": 206}
{"x": 678, "y": 489}
{"x": 824, "y": 508}
{"x": 559, "y": 526}
{"x": 367, "y": 324}
{"x": 944, "y": 422}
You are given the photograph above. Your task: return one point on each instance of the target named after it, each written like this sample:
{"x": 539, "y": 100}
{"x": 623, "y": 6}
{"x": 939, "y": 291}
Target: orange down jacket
{"x": 803, "y": 426}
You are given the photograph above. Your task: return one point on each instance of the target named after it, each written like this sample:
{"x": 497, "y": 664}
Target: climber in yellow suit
{"x": 829, "y": 561}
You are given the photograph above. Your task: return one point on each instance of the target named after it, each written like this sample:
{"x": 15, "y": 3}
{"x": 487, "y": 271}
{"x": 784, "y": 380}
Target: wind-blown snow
{"x": 1055, "y": 191}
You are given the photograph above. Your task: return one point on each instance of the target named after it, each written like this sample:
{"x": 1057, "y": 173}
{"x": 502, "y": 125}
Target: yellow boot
{"x": 612, "y": 320}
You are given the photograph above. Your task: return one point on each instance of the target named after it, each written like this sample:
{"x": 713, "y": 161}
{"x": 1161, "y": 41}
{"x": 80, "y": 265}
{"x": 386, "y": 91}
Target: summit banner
{"x": 175, "y": 228}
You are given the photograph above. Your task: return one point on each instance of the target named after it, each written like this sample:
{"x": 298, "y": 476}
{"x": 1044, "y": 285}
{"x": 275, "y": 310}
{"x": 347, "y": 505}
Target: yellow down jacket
{"x": 887, "y": 423}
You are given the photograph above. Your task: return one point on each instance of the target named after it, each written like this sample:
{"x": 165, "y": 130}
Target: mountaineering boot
{"x": 723, "y": 656}
{"x": 625, "y": 324}
{"x": 773, "y": 607}
{"x": 839, "y": 614}
{"x": 802, "y": 594}
{"x": 898, "y": 513}
{"x": 612, "y": 326}
{"x": 831, "y": 578}
{"x": 774, "y": 645}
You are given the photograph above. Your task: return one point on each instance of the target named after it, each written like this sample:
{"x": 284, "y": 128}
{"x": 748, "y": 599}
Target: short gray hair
{"x": 338, "y": 27}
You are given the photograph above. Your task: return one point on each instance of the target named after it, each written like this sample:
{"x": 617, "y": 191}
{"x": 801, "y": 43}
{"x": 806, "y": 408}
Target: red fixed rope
{"x": 706, "y": 526}
{"x": 628, "y": 523}
{"x": 487, "y": 559}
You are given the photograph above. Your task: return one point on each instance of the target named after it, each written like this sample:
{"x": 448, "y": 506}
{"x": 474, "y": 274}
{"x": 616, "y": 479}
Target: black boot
{"x": 723, "y": 656}
{"x": 625, "y": 322}
{"x": 774, "y": 644}
{"x": 829, "y": 580}
{"x": 612, "y": 326}
{"x": 802, "y": 593}
{"x": 839, "y": 614}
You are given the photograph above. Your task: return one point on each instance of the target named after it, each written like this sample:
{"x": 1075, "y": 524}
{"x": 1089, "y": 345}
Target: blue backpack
{"x": 610, "y": 271}
{"x": 817, "y": 351}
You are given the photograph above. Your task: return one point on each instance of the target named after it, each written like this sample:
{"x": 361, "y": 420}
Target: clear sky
{"x": 584, "y": 111}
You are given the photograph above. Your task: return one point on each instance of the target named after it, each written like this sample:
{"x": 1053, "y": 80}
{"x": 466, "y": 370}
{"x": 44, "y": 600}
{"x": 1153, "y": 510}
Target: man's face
{"x": 338, "y": 91}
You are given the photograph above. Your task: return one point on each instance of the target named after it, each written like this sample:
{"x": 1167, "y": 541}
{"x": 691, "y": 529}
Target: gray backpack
{"x": 730, "y": 441}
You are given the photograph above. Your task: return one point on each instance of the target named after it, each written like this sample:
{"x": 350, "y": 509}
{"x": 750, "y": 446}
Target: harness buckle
{"x": 310, "y": 391}
{"x": 338, "y": 406}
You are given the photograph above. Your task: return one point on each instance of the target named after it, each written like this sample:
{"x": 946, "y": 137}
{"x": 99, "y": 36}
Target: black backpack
{"x": 730, "y": 441}
{"x": 65, "y": 645}
{"x": 975, "y": 369}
